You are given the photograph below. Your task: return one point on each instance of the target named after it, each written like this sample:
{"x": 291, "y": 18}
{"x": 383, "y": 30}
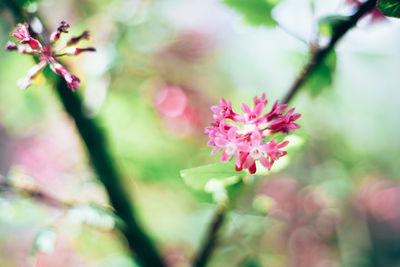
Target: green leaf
{"x": 255, "y": 12}
{"x": 389, "y": 8}
{"x": 204, "y": 177}
{"x": 322, "y": 77}
{"x": 250, "y": 262}
{"x": 327, "y": 25}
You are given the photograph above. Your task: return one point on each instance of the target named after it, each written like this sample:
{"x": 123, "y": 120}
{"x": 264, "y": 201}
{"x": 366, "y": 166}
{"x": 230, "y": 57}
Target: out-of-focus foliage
{"x": 323, "y": 76}
{"x": 255, "y": 12}
{"x": 327, "y": 25}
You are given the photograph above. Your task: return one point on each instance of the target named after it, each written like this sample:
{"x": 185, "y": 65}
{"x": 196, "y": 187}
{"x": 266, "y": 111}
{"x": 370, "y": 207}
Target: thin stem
{"x": 210, "y": 240}
{"x": 293, "y": 34}
{"x": 317, "y": 57}
{"x": 34, "y": 193}
{"x": 319, "y": 54}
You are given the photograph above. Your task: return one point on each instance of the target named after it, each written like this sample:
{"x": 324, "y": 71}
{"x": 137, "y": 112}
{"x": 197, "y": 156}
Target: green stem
{"x": 210, "y": 241}
{"x": 319, "y": 55}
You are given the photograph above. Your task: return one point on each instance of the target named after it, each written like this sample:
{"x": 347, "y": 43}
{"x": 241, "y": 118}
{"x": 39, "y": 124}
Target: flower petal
{"x": 255, "y": 138}
{"x": 221, "y": 142}
{"x": 225, "y": 157}
{"x": 248, "y": 162}
{"x": 232, "y": 134}
{"x": 264, "y": 161}
{"x": 246, "y": 108}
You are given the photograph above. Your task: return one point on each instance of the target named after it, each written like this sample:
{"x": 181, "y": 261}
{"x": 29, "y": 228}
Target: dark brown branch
{"x": 96, "y": 144}
{"x": 101, "y": 159}
{"x": 210, "y": 241}
{"x": 319, "y": 55}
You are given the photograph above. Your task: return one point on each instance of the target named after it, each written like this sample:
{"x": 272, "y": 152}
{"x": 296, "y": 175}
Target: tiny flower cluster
{"x": 249, "y": 139}
{"x": 47, "y": 54}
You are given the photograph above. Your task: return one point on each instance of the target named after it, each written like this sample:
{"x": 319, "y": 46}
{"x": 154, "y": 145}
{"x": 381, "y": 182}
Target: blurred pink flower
{"x": 176, "y": 256}
{"x": 188, "y": 46}
{"x": 309, "y": 223}
{"x": 380, "y": 198}
{"x": 49, "y": 156}
{"x": 171, "y": 101}
{"x": 62, "y": 256}
{"x": 183, "y": 110}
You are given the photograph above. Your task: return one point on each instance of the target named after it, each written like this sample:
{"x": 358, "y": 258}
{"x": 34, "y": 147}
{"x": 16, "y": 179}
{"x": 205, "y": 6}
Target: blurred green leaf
{"x": 390, "y": 7}
{"x": 262, "y": 204}
{"x": 45, "y": 241}
{"x": 322, "y": 77}
{"x": 255, "y": 12}
{"x": 250, "y": 262}
{"x": 209, "y": 176}
{"x": 327, "y": 25}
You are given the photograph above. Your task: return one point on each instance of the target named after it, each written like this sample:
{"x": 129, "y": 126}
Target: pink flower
{"x": 286, "y": 123}
{"x": 266, "y": 153}
{"x": 72, "y": 80}
{"x": 62, "y": 28}
{"x": 252, "y": 116}
{"x": 256, "y": 150}
{"x": 22, "y": 33}
{"x": 47, "y": 54}
{"x": 276, "y": 111}
{"x": 244, "y": 140}
{"x": 272, "y": 149}
{"x": 231, "y": 144}
{"x": 224, "y": 111}
{"x": 262, "y": 99}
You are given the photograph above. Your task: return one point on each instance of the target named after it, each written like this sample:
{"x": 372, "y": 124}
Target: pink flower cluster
{"x": 47, "y": 55}
{"x": 248, "y": 139}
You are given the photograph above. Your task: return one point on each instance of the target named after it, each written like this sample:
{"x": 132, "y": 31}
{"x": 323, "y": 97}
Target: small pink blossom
{"x": 224, "y": 111}
{"x": 272, "y": 149}
{"x": 22, "y": 33}
{"x": 286, "y": 123}
{"x": 248, "y": 139}
{"x": 231, "y": 144}
{"x": 61, "y": 29}
{"x": 47, "y": 53}
{"x": 72, "y": 80}
{"x": 252, "y": 116}
{"x": 256, "y": 150}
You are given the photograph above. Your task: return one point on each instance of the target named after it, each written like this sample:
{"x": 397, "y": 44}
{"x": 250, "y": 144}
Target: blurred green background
{"x": 158, "y": 68}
